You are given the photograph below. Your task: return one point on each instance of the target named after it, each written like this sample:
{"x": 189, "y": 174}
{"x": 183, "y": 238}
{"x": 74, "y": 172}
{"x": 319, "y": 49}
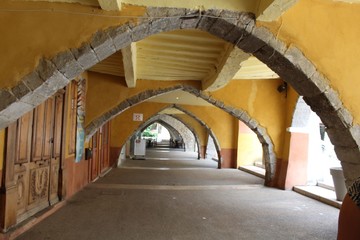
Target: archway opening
{"x": 318, "y": 170}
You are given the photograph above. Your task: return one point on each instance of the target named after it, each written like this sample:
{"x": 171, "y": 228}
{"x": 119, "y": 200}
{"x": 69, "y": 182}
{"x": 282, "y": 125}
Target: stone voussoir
{"x": 224, "y": 24}
{"x": 33, "y": 80}
{"x": 219, "y": 104}
{"x": 351, "y": 172}
{"x": 190, "y": 19}
{"x": 350, "y": 155}
{"x": 355, "y": 133}
{"x": 156, "y": 12}
{"x": 164, "y": 24}
{"x": 207, "y": 19}
{"x": 253, "y": 124}
{"x": 34, "y": 98}
{"x": 341, "y": 137}
{"x": 20, "y": 90}
{"x": 6, "y": 98}
{"x": 263, "y": 34}
{"x": 295, "y": 56}
{"x": 229, "y": 109}
{"x": 121, "y": 36}
{"x": 140, "y": 31}
{"x": 250, "y": 43}
{"x": 16, "y": 110}
{"x": 66, "y": 63}
{"x": 85, "y": 56}
{"x": 245, "y": 118}
{"x": 102, "y": 45}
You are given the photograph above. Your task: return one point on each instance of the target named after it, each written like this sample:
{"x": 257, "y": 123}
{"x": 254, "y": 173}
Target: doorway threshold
{"x": 321, "y": 194}
{"x": 254, "y": 170}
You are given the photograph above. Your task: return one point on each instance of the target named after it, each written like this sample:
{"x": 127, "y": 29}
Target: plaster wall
{"x": 223, "y": 124}
{"x": 200, "y": 130}
{"x": 262, "y": 101}
{"x": 108, "y": 91}
{"x": 123, "y": 125}
{"x": 35, "y": 29}
{"x": 249, "y": 149}
{"x": 328, "y": 35}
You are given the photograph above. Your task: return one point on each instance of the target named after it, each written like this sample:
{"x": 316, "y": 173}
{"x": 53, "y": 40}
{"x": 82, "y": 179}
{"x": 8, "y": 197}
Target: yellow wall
{"x": 249, "y": 148}
{"x": 223, "y": 124}
{"x": 28, "y": 36}
{"x": 207, "y": 4}
{"x": 2, "y": 146}
{"x": 108, "y": 91}
{"x": 200, "y": 130}
{"x": 292, "y": 99}
{"x": 328, "y": 34}
{"x": 123, "y": 126}
{"x": 261, "y": 100}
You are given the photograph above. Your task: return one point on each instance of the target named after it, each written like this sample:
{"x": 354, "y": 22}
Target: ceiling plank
{"x": 110, "y": 5}
{"x": 129, "y": 61}
{"x": 226, "y": 69}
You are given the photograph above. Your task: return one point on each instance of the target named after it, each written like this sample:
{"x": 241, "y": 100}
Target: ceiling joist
{"x": 110, "y": 5}
{"x": 228, "y": 66}
{"x": 129, "y": 61}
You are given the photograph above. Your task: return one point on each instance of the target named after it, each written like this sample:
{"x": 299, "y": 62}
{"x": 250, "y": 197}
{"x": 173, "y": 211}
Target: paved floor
{"x": 183, "y": 200}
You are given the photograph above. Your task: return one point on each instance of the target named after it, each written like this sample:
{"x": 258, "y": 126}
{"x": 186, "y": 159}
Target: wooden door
{"x": 22, "y": 150}
{"x": 105, "y": 147}
{"x": 56, "y": 141}
{"x": 38, "y": 156}
{"x": 39, "y": 167}
{"x": 94, "y": 162}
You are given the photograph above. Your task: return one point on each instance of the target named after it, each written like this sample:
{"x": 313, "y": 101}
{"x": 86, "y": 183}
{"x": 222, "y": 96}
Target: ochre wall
{"x": 328, "y": 35}
{"x": 108, "y": 91}
{"x": 282, "y": 164}
{"x": 223, "y": 124}
{"x": 123, "y": 126}
{"x": 225, "y": 128}
{"x": 200, "y": 130}
{"x": 249, "y": 148}
{"x": 28, "y": 36}
{"x": 261, "y": 100}
{"x": 207, "y": 4}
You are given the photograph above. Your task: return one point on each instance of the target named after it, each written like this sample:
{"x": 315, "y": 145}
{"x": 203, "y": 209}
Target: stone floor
{"x": 185, "y": 198}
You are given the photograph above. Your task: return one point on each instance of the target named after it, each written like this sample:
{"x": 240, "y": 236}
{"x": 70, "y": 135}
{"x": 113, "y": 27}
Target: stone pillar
{"x": 296, "y": 173}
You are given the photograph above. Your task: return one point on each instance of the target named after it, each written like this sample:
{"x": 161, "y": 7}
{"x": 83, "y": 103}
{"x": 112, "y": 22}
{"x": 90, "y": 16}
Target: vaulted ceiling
{"x": 187, "y": 54}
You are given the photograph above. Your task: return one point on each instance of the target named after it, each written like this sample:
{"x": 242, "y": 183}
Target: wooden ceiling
{"x": 178, "y": 55}
{"x": 181, "y": 55}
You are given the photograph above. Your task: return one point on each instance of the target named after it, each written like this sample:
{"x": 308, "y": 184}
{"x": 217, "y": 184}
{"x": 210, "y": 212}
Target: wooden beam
{"x": 228, "y": 66}
{"x": 110, "y": 5}
{"x": 129, "y": 61}
{"x": 271, "y": 10}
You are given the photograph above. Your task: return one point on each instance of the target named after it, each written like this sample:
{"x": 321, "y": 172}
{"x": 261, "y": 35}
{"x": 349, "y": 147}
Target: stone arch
{"x": 172, "y": 131}
{"x": 264, "y": 138}
{"x": 238, "y": 28}
{"x": 186, "y": 136}
{"x": 212, "y": 134}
